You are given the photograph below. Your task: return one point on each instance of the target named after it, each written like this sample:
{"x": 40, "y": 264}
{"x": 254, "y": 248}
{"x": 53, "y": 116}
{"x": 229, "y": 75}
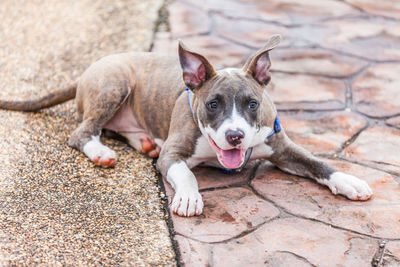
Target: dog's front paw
{"x": 187, "y": 203}
{"x": 348, "y": 185}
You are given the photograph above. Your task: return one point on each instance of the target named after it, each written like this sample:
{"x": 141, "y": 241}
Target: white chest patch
{"x": 202, "y": 153}
{"x": 261, "y": 151}
{"x": 234, "y": 122}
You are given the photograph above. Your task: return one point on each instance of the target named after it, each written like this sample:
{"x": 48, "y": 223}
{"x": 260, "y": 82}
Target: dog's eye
{"x": 213, "y": 105}
{"x": 253, "y": 105}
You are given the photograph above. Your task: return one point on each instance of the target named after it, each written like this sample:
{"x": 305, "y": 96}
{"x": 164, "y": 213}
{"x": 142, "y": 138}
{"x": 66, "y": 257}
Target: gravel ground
{"x": 56, "y": 208}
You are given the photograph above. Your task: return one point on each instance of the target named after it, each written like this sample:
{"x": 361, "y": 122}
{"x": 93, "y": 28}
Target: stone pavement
{"x": 336, "y": 83}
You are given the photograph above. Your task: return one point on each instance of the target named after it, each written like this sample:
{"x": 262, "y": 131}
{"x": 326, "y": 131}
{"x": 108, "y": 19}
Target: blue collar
{"x": 277, "y": 128}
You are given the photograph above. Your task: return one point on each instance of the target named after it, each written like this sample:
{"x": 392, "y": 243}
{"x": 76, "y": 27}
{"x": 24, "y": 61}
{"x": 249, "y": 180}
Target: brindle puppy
{"x": 224, "y": 120}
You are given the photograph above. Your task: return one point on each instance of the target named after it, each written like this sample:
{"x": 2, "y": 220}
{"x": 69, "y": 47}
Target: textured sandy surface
{"x": 56, "y": 207}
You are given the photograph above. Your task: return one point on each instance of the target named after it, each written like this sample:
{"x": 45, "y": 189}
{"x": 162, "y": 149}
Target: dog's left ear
{"x": 258, "y": 65}
{"x": 196, "y": 68}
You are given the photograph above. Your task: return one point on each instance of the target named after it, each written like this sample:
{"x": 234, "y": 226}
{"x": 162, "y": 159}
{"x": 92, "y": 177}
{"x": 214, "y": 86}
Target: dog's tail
{"x": 46, "y": 101}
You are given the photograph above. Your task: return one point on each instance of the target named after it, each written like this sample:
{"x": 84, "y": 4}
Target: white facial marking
{"x": 94, "y": 148}
{"x": 261, "y": 135}
{"x": 234, "y": 122}
{"x": 347, "y": 185}
{"x": 187, "y": 200}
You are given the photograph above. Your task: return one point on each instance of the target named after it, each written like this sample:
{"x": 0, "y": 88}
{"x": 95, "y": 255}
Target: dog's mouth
{"x": 230, "y": 158}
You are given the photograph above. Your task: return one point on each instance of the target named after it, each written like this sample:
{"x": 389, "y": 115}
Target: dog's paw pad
{"x": 105, "y": 161}
{"x": 96, "y": 160}
{"x": 150, "y": 148}
{"x": 350, "y": 186}
{"x": 108, "y": 162}
{"x": 187, "y": 204}
{"x": 147, "y": 145}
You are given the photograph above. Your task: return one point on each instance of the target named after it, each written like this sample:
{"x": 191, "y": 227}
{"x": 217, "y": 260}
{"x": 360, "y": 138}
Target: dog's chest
{"x": 203, "y": 153}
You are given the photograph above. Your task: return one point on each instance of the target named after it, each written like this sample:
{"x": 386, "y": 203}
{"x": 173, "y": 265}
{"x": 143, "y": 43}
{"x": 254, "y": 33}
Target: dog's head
{"x": 232, "y": 110}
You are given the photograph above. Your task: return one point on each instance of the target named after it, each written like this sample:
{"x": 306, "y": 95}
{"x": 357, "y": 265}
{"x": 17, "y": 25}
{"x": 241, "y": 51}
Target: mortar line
{"x": 397, "y": 175}
{"x": 356, "y": 56}
{"x": 298, "y": 256}
{"x": 241, "y": 234}
{"x": 167, "y": 216}
{"x": 319, "y": 221}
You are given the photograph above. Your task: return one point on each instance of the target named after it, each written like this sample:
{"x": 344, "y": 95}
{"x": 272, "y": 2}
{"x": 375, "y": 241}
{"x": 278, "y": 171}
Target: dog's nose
{"x": 234, "y": 138}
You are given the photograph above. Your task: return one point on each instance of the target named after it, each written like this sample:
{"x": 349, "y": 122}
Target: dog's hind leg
{"x": 101, "y": 107}
{"x": 125, "y": 124}
{"x": 143, "y": 143}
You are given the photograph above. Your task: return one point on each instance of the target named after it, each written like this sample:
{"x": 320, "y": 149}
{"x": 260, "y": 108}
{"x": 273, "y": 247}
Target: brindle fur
{"x": 147, "y": 91}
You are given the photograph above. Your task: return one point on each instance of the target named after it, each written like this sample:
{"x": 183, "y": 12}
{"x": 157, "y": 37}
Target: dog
{"x": 220, "y": 118}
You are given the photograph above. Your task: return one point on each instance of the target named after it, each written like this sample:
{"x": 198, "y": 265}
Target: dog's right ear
{"x": 196, "y": 68}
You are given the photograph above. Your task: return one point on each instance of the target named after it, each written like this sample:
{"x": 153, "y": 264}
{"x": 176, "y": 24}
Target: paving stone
{"x": 208, "y": 178}
{"x": 253, "y": 34}
{"x": 296, "y": 242}
{"x": 226, "y": 214}
{"x": 322, "y": 133}
{"x": 239, "y": 27}
{"x": 164, "y": 43}
{"x": 306, "y": 198}
{"x": 374, "y": 39}
{"x": 184, "y": 19}
{"x": 239, "y": 10}
{"x": 286, "y": 12}
{"x": 391, "y": 257}
{"x": 299, "y": 11}
{"x": 375, "y": 93}
{"x": 193, "y": 253}
{"x": 299, "y": 91}
{"x": 314, "y": 61}
{"x": 388, "y": 8}
{"x": 376, "y": 146}
{"x": 219, "y": 52}
{"x": 395, "y": 122}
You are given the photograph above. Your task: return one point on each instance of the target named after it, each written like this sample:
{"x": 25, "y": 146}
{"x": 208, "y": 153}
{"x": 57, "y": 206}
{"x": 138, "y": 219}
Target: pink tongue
{"x": 231, "y": 158}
